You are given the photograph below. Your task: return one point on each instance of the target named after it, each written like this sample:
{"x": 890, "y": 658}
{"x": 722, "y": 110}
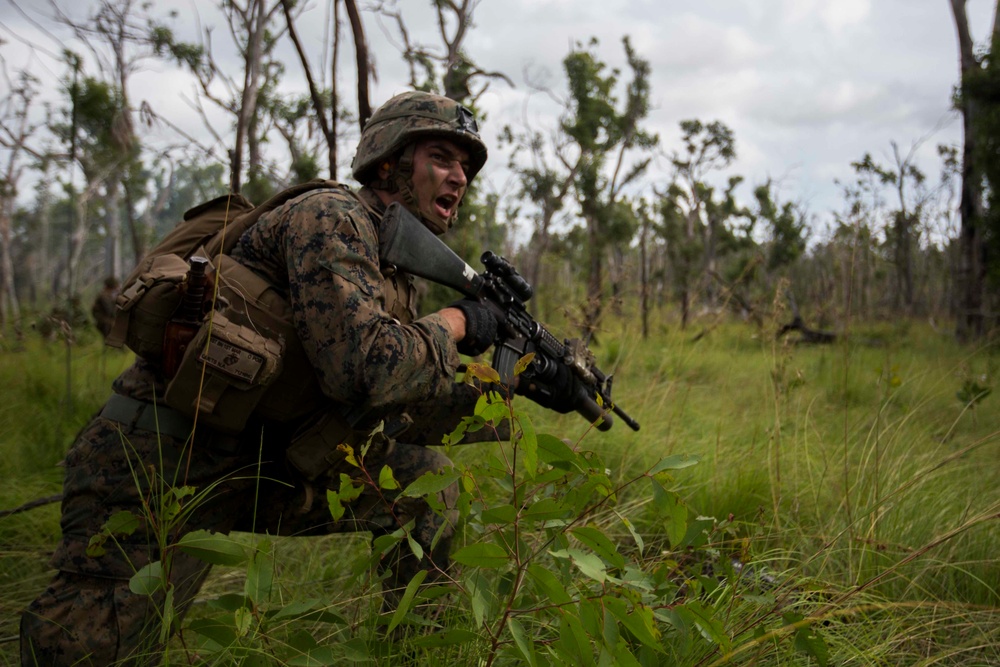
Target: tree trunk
{"x": 364, "y": 67}
{"x": 8, "y": 295}
{"x": 251, "y": 90}
{"x": 595, "y": 279}
{"x": 971, "y": 276}
{"x": 644, "y": 277}
{"x": 138, "y": 235}
{"x": 113, "y": 241}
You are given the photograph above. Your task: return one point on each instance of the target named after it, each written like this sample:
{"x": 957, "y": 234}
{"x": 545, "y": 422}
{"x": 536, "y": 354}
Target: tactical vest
{"x": 245, "y": 357}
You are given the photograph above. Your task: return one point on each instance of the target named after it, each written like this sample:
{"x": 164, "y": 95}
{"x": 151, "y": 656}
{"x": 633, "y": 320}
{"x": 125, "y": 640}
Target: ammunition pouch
{"x": 246, "y": 358}
{"x": 146, "y": 305}
{"x": 224, "y": 373}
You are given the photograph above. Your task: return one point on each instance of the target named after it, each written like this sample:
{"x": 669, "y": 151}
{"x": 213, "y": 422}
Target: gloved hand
{"x": 480, "y": 327}
{"x": 559, "y": 393}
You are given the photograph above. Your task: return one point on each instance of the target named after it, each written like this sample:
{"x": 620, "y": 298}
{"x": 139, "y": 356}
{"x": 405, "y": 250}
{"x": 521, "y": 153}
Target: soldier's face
{"x": 439, "y": 181}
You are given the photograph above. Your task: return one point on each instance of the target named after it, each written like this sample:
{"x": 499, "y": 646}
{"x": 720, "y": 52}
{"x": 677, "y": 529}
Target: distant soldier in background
{"x": 103, "y": 309}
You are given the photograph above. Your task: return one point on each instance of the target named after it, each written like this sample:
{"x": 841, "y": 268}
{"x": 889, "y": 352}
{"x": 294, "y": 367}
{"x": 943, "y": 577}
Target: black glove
{"x": 480, "y": 327}
{"x": 560, "y": 393}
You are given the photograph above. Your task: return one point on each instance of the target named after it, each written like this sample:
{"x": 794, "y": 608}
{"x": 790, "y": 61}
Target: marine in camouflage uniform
{"x": 356, "y": 320}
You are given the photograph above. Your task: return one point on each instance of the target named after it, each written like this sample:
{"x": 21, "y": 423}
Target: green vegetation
{"x": 782, "y": 504}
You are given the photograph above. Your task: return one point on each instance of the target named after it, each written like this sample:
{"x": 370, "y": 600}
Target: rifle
{"x": 406, "y": 243}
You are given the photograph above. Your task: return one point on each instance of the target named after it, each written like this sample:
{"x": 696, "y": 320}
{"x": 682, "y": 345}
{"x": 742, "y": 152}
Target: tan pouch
{"x": 296, "y": 391}
{"x": 146, "y": 304}
{"x": 225, "y": 371}
{"x": 313, "y": 450}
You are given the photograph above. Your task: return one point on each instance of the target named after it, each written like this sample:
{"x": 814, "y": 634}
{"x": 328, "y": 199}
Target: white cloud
{"x": 839, "y": 14}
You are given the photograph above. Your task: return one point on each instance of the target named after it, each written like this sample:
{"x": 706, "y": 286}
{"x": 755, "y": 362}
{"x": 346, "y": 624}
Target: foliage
{"x": 853, "y": 494}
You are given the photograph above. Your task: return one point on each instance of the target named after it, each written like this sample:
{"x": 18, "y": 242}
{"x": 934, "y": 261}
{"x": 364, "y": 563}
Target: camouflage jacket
{"x": 356, "y": 319}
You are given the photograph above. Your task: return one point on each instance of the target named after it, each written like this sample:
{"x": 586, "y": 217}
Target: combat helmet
{"x": 411, "y": 116}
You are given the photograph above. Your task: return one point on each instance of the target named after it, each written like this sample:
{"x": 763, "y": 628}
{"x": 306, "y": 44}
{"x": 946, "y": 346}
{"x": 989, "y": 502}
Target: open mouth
{"x": 445, "y": 205}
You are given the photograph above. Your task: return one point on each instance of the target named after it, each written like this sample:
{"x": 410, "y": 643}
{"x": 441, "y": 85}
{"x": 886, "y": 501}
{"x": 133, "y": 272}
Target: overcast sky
{"x": 807, "y": 85}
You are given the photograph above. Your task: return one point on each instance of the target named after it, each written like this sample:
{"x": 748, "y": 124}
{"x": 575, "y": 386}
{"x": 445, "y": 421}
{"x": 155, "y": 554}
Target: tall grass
{"x": 857, "y": 477}
{"x": 50, "y": 390}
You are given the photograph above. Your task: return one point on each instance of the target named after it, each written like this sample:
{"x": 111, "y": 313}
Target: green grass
{"x": 852, "y": 473}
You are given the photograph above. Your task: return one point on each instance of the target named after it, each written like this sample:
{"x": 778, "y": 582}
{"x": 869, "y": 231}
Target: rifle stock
{"x": 406, "y": 243}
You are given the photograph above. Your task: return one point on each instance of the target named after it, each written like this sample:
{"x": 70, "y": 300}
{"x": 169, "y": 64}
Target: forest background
{"x": 650, "y": 236}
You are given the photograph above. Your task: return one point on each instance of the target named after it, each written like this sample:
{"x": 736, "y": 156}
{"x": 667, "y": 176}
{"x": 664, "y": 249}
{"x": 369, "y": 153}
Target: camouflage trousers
{"x": 88, "y": 615}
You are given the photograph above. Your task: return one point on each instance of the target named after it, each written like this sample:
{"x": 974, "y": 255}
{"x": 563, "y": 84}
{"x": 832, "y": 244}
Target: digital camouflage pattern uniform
{"x": 357, "y": 323}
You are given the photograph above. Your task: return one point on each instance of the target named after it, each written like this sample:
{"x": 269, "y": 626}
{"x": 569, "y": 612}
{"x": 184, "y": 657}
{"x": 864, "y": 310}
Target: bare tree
{"x": 16, "y": 129}
{"x": 971, "y": 277}
{"x": 326, "y": 115}
{"x": 118, "y": 35}
{"x": 459, "y": 79}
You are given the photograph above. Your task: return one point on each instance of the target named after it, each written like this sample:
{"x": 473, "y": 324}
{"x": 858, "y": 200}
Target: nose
{"x": 456, "y": 174}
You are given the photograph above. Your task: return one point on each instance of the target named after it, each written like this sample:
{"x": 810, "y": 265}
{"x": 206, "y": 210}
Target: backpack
{"x": 245, "y": 356}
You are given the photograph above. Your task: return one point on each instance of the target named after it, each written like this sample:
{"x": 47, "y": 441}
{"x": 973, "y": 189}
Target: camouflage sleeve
{"x": 362, "y": 355}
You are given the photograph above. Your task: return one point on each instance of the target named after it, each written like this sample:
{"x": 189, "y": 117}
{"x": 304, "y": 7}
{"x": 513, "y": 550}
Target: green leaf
{"x": 557, "y": 453}
{"x": 528, "y": 444}
{"x": 122, "y": 523}
{"x": 549, "y": 585}
{"x": 545, "y": 510}
{"x": 168, "y": 616}
{"x": 242, "y": 620}
{"x": 599, "y": 542}
{"x": 221, "y": 633}
{"x": 407, "y": 600}
{"x": 430, "y": 483}
{"x": 213, "y": 548}
{"x": 337, "y": 508}
{"x": 480, "y": 593}
{"x": 386, "y": 480}
{"x": 313, "y": 609}
{"x": 338, "y": 500}
{"x": 147, "y": 580}
{"x": 675, "y": 513}
{"x": 590, "y": 564}
{"x": 502, "y": 514}
{"x": 523, "y": 642}
{"x": 808, "y": 641}
{"x": 319, "y": 656}
{"x": 348, "y": 490}
{"x": 496, "y": 413}
{"x": 635, "y": 534}
{"x": 260, "y": 574}
{"x": 482, "y": 554}
{"x": 573, "y": 638}
{"x": 95, "y": 547}
{"x": 356, "y": 650}
{"x": 710, "y": 627}
{"x": 415, "y": 547}
{"x": 638, "y": 620}
{"x": 675, "y": 462}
